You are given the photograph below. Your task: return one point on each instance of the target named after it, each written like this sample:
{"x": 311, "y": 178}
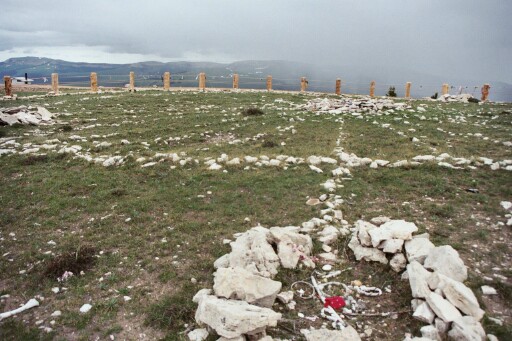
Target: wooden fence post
{"x": 303, "y": 84}
{"x": 485, "y": 92}
{"x": 338, "y": 86}
{"x": 8, "y": 85}
{"x": 94, "y": 82}
{"x": 235, "y": 81}
{"x": 372, "y": 89}
{"x": 202, "y": 81}
{"x": 269, "y": 83}
{"x": 132, "y": 82}
{"x": 408, "y": 90}
{"x": 445, "y": 89}
{"x": 167, "y": 80}
{"x": 55, "y": 83}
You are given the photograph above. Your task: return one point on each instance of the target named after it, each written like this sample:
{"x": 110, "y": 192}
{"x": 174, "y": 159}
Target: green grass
{"x": 154, "y": 229}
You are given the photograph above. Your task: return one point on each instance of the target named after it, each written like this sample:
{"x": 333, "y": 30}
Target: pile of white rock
{"x": 436, "y": 276}
{"x": 25, "y": 115}
{"x": 462, "y": 98}
{"x": 364, "y": 104}
{"x": 243, "y": 292}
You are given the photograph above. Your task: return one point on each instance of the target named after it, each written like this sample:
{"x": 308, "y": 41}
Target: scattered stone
{"x": 488, "y": 290}
{"x": 240, "y": 284}
{"x": 458, "y": 294}
{"x": 466, "y": 328}
{"x": 417, "y": 249}
{"x": 367, "y": 253}
{"x": 347, "y": 334}
{"x": 231, "y": 319}
{"x": 85, "y": 308}
{"x": 253, "y": 252}
{"x": 290, "y": 245}
{"x": 379, "y": 220}
{"x": 424, "y": 313}
{"x": 418, "y": 280}
{"x": 442, "y": 308}
{"x": 445, "y": 260}
{"x": 285, "y": 296}
{"x": 198, "y": 335}
{"x": 398, "y": 262}
{"x": 398, "y": 229}
{"x": 392, "y": 245}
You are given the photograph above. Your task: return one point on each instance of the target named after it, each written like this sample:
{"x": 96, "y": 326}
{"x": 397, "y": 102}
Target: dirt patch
{"x": 73, "y": 261}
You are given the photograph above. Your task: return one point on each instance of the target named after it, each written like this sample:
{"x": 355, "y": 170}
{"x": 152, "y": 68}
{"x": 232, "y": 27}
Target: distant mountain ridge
{"x": 286, "y": 75}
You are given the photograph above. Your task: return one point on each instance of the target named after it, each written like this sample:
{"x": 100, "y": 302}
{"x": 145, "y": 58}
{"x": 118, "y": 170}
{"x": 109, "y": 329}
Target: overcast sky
{"x": 457, "y": 38}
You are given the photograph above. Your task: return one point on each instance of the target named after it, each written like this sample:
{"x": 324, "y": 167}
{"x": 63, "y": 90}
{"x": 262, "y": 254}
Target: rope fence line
{"x": 234, "y": 81}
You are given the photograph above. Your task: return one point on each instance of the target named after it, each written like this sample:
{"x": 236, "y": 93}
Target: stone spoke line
{"x": 244, "y": 292}
{"x": 358, "y": 108}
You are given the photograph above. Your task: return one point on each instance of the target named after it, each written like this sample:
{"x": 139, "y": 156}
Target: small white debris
{"x": 85, "y": 308}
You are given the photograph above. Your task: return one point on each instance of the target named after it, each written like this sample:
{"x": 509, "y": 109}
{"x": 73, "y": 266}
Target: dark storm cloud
{"x": 463, "y": 38}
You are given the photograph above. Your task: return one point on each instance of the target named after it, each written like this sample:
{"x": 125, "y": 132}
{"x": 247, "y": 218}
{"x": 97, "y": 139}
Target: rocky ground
{"x": 139, "y": 195}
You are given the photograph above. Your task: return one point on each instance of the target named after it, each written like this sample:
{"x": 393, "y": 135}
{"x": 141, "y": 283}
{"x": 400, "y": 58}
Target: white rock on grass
{"x": 442, "y": 308}
{"x": 366, "y": 253}
{"x": 417, "y": 249}
{"x": 487, "y": 290}
{"x": 362, "y": 228}
{"x": 398, "y": 262}
{"x": 239, "y": 284}
{"x": 379, "y": 220}
{"x": 418, "y": 280}
{"x": 290, "y": 245}
{"x": 85, "y": 308}
{"x": 466, "y": 328}
{"x": 240, "y": 338}
{"x": 445, "y": 260}
{"x": 198, "y": 335}
{"x": 397, "y": 229}
{"x": 392, "y": 245}
{"x": 285, "y": 297}
{"x": 252, "y": 251}
{"x": 430, "y": 332}
{"x": 347, "y": 334}
{"x": 329, "y": 234}
{"x": 424, "y": 313}
{"x": 458, "y": 294}
{"x": 231, "y": 319}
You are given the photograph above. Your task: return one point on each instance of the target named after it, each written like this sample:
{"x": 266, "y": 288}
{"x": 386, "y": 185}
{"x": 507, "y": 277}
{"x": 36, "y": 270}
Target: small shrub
{"x": 67, "y": 127}
{"x": 74, "y": 261}
{"x": 253, "y": 112}
{"x": 434, "y": 96}
{"x": 391, "y": 92}
{"x": 268, "y": 144}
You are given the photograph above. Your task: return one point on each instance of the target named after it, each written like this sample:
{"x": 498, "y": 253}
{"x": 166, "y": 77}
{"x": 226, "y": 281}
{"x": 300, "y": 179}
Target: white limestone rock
{"x": 329, "y": 234}
{"x": 430, "y": 332}
{"x": 442, "y": 308}
{"x": 398, "y": 262}
{"x": 290, "y": 245}
{"x": 379, "y": 220}
{"x": 418, "y": 280}
{"x": 457, "y": 294}
{"x": 466, "y": 328}
{"x": 392, "y": 245}
{"x": 285, "y": 297}
{"x": 488, "y": 290}
{"x": 253, "y": 252}
{"x": 445, "y": 260}
{"x": 366, "y": 253}
{"x": 347, "y": 334}
{"x": 424, "y": 313}
{"x": 198, "y": 335}
{"x": 240, "y": 284}
{"x": 398, "y": 229}
{"x": 363, "y": 227}
{"x": 231, "y": 319}
{"x": 417, "y": 249}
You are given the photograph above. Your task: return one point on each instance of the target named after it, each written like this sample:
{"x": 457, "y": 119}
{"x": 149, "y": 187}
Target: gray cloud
{"x": 456, "y": 38}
